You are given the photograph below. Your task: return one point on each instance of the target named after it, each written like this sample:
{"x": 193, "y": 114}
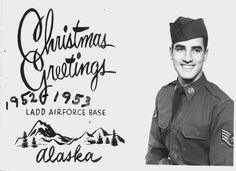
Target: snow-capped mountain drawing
{"x": 43, "y": 134}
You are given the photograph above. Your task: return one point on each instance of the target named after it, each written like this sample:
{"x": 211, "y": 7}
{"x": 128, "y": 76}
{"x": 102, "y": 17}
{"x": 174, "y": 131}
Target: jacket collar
{"x": 193, "y": 87}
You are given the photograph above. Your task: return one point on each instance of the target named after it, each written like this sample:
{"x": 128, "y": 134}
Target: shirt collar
{"x": 193, "y": 87}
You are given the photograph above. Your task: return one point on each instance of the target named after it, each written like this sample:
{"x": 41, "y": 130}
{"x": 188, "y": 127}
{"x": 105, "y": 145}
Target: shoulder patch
{"x": 154, "y": 115}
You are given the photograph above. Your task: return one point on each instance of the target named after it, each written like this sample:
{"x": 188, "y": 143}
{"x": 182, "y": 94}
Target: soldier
{"x": 193, "y": 118}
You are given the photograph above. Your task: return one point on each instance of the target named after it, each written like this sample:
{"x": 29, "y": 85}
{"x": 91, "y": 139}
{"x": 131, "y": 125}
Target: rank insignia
{"x": 227, "y": 137}
{"x": 191, "y": 90}
{"x": 154, "y": 115}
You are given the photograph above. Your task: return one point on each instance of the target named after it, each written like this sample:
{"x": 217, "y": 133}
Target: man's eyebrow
{"x": 179, "y": 46}
{"x": 196, "y": 47}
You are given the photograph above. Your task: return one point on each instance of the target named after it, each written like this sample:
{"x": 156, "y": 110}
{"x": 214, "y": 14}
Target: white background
{"x": 140, "y": 32}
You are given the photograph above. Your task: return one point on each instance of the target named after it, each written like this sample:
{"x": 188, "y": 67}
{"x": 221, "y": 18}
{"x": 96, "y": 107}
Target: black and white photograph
{"x": 193, "y": 118}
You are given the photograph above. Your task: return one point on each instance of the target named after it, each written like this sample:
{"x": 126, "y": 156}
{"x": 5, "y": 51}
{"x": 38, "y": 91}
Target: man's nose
{"x": 187, "y": 57}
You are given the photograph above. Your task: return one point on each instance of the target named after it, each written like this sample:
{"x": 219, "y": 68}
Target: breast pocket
{"x": 195, "y": 149}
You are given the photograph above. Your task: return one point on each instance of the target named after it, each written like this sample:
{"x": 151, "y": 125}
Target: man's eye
{"x": 197, "y": 50}
{"x": 179, "y": 48}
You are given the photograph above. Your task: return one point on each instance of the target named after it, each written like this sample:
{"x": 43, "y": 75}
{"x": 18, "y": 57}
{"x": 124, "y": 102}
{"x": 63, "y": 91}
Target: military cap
{"x": 187, "y": 28}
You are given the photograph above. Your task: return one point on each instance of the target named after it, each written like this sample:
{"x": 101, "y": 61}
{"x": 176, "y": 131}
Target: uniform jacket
{"x": 201, "y": 133}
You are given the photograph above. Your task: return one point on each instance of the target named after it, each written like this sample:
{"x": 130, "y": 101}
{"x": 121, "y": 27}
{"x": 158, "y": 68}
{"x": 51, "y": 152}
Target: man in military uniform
{"x": 193, "y": 118}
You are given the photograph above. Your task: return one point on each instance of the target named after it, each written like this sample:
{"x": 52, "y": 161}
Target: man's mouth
{"x": 187, "y": 67}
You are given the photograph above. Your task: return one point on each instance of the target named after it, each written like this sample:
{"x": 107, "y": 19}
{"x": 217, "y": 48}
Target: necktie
{"x": 177, "y": 101}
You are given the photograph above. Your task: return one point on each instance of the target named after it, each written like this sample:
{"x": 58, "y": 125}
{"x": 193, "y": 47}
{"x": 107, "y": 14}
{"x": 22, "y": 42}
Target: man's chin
{"x": 187, "y": 76}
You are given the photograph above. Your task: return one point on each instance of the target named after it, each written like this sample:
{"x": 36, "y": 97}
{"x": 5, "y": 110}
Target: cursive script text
{"x": 49, "y": 155}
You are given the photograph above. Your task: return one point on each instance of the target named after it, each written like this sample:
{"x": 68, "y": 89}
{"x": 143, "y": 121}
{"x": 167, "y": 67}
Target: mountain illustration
{"x": 92, "y": 138}
{"x": 43, "y": 134}
{"x": 41, "y": 128}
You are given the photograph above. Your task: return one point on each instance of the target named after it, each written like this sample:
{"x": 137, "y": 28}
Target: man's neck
{"x": 186, "y": 82}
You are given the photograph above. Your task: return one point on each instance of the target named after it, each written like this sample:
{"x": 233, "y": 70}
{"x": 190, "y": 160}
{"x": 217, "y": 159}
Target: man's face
{"x": 188, "y": 58}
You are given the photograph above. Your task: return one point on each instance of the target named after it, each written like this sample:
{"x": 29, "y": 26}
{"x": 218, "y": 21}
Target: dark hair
{"x": 205, "y": 43}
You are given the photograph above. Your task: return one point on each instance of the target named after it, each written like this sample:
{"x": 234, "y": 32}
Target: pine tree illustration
{"x": 114, "y": 141}
{"x": 99, "y": 141}
{"x": 34, "y": 143}
{"x": 25, "y": 141}
{"x": 107, "y": 141}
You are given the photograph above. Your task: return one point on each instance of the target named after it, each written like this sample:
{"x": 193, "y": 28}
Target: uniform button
{"x": 174, "y": 129}
{"x": 173, "y": 154}
{"x": 196, "y": 133}
{"x": 174, "y": 148}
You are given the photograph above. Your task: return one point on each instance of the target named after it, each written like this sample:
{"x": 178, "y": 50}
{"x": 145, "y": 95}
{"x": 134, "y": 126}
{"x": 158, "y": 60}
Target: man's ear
{"x": 206, "y": 54}
{"x": 171, "y": 52}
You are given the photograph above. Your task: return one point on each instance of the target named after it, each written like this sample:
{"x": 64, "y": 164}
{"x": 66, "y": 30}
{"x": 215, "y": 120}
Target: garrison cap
{"x": 187, "y": 28}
